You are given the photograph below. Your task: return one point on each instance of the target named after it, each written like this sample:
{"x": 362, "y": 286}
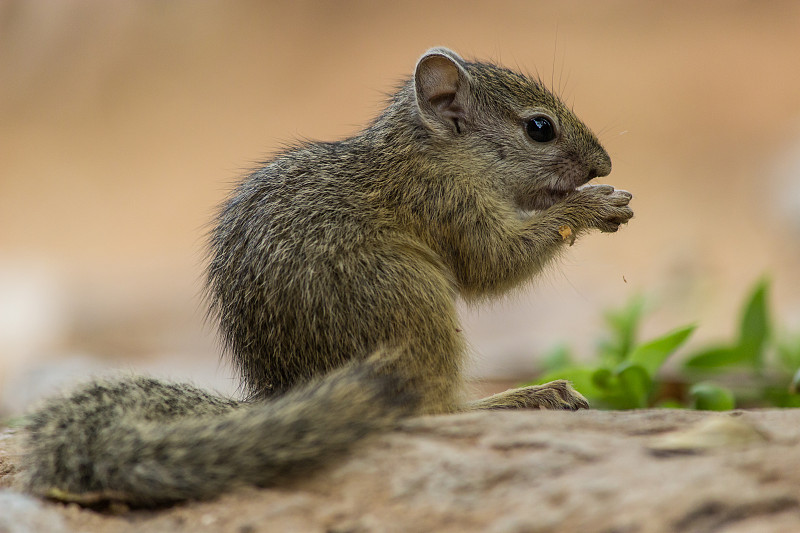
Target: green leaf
{"x": 753, "y": 334}
{"x": 754, "y": 327}
{"x": 636, "y": 384}
{"x": 710, "y": 397}
{"x": 603, "y": 379}
{"x": 580, "y": 376}
{"x": 669, "y": 404}
{"x": 781, "y": 397}
{"x": 714, "y": 358}
{"x": 651, "y": 355}
{"x": 624, "y": 326}
{"x": 558, "y": 357}
{"x": 627, "y": 387}
{"x": 789, "y": 353}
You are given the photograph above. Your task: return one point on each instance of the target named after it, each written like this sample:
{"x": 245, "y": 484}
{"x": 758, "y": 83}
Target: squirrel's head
{"x": 534, "y": 145}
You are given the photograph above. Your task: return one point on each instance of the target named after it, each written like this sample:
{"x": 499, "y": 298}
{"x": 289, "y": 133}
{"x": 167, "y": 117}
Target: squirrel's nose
{"x": 601, "y": 166}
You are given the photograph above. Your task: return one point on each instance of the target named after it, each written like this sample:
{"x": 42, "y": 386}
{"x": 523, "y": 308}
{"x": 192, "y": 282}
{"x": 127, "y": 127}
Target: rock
{"x": 521, "y": 472}
{"x": 713, "y": 432}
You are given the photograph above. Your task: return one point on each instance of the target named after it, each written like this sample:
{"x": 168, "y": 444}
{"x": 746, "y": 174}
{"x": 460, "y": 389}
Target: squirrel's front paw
{"x": 602, "y": 207}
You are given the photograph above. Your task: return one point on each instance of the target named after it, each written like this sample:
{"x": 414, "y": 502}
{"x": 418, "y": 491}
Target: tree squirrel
{"x": 333, "y": 274}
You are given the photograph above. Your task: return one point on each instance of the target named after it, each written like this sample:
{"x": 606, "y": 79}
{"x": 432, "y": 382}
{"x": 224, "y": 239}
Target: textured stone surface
{"x": 517, "y": 472}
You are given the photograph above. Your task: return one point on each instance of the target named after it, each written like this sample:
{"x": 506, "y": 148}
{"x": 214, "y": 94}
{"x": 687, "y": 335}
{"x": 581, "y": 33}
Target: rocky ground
{"x": 501, "y": 472}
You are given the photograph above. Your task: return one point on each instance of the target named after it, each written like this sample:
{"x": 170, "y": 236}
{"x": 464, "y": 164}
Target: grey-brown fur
{"x": 333, "y": 273}
{"x": 146, "y": 442}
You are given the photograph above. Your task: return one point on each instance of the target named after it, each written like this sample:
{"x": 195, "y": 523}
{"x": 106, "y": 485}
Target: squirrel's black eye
{"x": 540, "y": 129}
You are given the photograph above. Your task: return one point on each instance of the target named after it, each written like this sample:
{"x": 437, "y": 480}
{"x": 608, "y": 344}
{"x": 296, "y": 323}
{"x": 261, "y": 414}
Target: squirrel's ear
{"x": 442, "y": 88}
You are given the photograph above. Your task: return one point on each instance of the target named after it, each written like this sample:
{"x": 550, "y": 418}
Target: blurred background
{"x": 123, "y": 124}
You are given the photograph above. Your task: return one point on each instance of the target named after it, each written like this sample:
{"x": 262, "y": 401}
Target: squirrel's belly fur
{"x": 333, "y": 274}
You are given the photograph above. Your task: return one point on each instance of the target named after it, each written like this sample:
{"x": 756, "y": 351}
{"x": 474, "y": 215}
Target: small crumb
{"x": 624, "y": 280}
{"x": 567, "y": 234}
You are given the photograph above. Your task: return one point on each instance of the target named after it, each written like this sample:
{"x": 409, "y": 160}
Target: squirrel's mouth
{"x": 543, "y": 199}
{"x": 548, "y": 194}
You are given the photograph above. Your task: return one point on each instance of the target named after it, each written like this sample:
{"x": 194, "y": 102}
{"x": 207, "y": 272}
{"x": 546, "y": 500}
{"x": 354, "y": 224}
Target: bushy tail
{"x": 146, "y": 442}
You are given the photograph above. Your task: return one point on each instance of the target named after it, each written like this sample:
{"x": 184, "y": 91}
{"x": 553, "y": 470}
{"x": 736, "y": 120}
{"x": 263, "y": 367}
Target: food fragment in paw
{"x": 566, "y": 234}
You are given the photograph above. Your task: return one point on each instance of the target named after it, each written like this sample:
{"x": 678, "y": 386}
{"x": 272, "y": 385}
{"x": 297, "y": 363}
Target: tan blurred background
{"x": 122, "y": 125}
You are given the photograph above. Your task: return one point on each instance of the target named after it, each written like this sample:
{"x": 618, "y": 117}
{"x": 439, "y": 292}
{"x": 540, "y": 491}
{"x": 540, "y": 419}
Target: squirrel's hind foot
{"x": 557, "y": 395}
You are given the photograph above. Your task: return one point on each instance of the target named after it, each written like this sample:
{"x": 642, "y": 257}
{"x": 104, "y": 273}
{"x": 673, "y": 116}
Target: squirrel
{"x": 333, "y": 274}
